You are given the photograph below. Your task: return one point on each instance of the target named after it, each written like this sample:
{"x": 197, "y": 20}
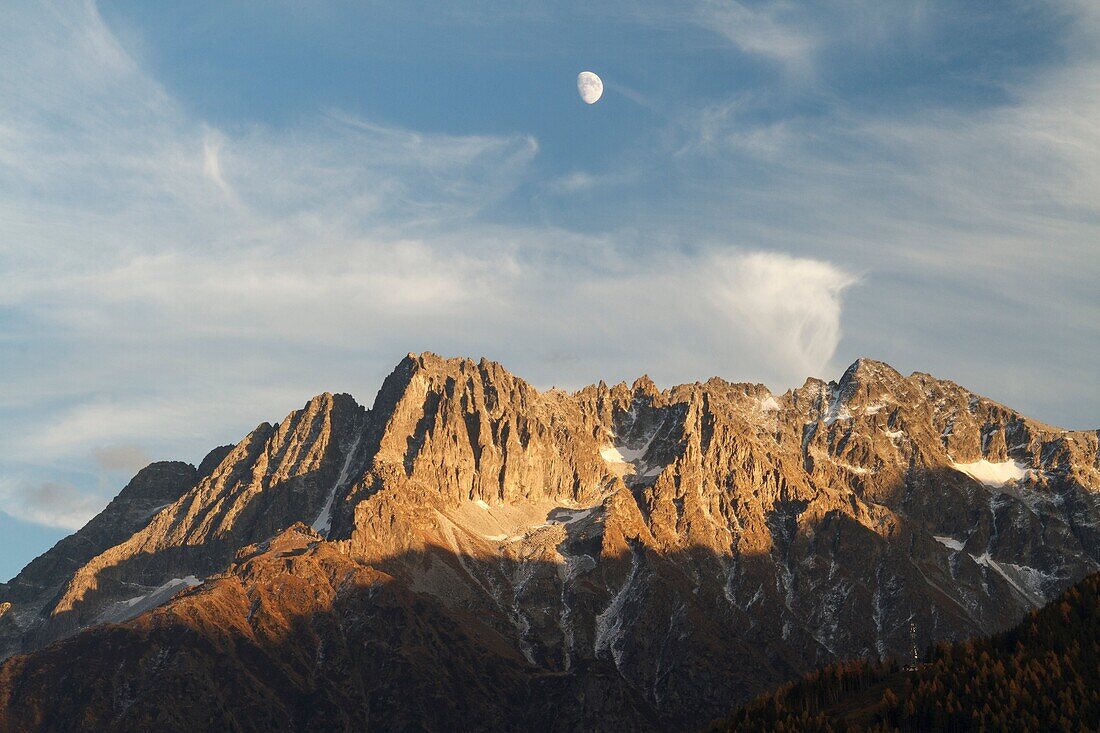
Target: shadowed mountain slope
{"x": 1040, "y": 675}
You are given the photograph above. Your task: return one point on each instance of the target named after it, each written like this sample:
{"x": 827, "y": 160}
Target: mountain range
{"x": 472, "y": 553}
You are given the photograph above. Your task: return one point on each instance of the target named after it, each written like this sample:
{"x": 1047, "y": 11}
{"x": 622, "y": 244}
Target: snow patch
{"x": 624, "y": 460}
{"x": 323, "y": 523}
{"x": 948, "y": 542}
{"x": 611, "y": 454}
{"x": 992, "y": 474}
{"x": 165, "y": 590}
{"x": 858, "y": 470}
{"x": 610, "y": 629}
{"x": 837, "y": 413}
{"x": 568, "y": 516}
{"x": 768, "y": 404}
{"x": 1004, "y": 571}
{"x": 1034, "y": 579}
{"x": 153, "y": 512}
{"x": 630, "y": 455}
{"x": 808, "y": 431}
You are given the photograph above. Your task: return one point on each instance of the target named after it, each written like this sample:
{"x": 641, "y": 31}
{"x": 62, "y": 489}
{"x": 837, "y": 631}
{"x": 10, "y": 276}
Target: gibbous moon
{"x": 590, "y": 87}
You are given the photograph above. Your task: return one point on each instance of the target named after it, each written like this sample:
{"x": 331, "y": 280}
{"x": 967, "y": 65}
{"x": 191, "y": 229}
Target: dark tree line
{"x": 1042, "y": 675}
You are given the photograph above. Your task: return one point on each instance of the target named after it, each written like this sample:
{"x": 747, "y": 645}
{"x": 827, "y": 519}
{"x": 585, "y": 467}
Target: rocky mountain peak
{"x": 624, "y": 539}
{"x": 213, "y": 459}
{"x": 644, "y": 387}
{"x": 869, "y": 375}
{"x": 152, "y": 489}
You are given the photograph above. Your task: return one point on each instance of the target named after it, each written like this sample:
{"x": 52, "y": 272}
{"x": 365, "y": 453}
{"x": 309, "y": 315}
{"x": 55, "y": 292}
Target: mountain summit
{"x": 471, "y": 552}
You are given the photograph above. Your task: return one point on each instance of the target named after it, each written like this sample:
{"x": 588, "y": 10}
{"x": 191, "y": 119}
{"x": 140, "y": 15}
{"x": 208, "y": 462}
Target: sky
{"x": 210, "y": 211}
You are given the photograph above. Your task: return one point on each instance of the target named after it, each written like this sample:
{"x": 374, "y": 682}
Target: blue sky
{"x": 211, "y": 212}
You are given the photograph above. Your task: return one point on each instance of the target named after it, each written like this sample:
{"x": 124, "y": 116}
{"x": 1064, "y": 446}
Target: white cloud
{"x": 1000, "y": 178}
{"x": 584, "y": 181}
{"x": 760, "y": 29}
{"x": 51, "y": 503}
{"x": 178, "y": 283}
{"x": 978, "y": 223}
{"x": 791, "y": 303}
{"x": 212, "y": 166}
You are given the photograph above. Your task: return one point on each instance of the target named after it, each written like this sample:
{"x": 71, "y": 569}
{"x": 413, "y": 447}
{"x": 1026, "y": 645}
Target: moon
{"x": 590, "y": 87}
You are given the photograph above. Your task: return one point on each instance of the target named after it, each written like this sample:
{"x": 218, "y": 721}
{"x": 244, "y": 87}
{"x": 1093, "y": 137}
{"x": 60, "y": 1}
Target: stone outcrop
{"x": 664, "y": 551}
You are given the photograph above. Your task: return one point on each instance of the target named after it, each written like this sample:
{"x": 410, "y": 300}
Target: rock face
{"x": 619, "y": 556}
{"x": 175, "y": 522}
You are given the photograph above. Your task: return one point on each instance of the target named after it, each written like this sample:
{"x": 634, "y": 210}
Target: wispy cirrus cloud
{"x": 768, "y": 29}
{"x": 175, "y": 282}
{"x": 979, "y": 223}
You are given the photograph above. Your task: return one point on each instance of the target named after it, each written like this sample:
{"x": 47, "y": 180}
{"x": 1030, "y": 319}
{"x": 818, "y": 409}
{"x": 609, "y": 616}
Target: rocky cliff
{"x": 637, "y": 555}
